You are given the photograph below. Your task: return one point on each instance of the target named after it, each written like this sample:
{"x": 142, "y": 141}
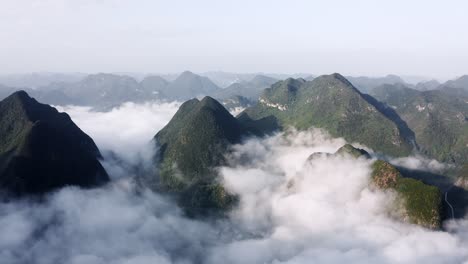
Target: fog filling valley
{"x": 291, "y": 210}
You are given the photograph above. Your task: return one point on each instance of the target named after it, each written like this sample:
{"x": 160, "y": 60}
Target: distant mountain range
{"x": 108, "y": 90}
{"x": 42, "y": 149}
{"x": 104, "y": 91}
{"x": 248, "y": 89}
{"x": 189, "y": 85}
{"x": 36, "y": 80}
{"x": 366, "y": 84}
{"x": 225, "y": 79}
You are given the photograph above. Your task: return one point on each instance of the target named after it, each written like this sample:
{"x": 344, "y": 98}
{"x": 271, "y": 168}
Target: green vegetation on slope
{"x": 191, "y": 146}
{"x": 421, "y": 202}
{"x": 332, "y": 103}
{"x": 439, "y": 120}
{"x": 417, "y": 202}
{"x": 195, "y": 140}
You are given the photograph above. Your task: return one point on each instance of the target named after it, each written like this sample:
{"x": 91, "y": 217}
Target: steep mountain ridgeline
{"x": 196, "y": 139}
{"x": 5, "y": 91}
{"x": 192, "y": 145}
{"x": 42, "y": 149}
{"x": 333, "y": 103}
{"x": 438, "y": 119}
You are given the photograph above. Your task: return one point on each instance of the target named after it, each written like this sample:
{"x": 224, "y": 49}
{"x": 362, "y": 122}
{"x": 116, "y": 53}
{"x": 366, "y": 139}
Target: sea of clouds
{"x": 291, "y": 210}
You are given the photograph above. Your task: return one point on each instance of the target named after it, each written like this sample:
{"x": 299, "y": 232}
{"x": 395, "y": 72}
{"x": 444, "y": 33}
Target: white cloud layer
{"x": 124, "y": 133}
{"x": 125, "y": 129}
{"x": 291, "y": 210}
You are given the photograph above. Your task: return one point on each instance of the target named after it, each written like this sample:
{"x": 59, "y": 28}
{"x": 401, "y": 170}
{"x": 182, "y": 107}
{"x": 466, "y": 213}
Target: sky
{"x": 361, "y": 37}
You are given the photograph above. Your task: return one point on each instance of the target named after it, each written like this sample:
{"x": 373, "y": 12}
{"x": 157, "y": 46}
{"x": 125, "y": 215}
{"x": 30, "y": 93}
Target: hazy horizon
{"x": 170, "y": 76}
{"x": 360, "y": 38}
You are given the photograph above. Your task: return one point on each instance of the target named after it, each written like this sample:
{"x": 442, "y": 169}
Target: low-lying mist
{"x": 125, "y": 129}
{"x": 291, "y": 210}
{"x": 123, "y": 134}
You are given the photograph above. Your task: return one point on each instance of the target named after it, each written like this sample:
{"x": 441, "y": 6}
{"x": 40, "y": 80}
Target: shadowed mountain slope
{"x": 42, "y": 149}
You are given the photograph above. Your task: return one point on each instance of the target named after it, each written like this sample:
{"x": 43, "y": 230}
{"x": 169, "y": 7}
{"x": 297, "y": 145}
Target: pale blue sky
{"x": 360, "y": 37}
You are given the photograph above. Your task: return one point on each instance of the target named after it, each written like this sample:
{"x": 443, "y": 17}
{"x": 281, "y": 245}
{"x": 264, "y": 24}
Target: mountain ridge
{"x": 42, "y": 149}
{"x": 333, "y": 103}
